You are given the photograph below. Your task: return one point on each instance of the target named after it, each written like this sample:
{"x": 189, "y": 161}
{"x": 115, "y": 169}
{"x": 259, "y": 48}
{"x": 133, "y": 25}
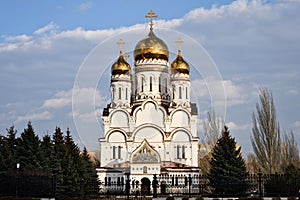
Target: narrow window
{"x": 142, "y": 88}
{"x": 122, "y": 180}
{"x": 173, "y": 92}
{"x": 186, "y": 93}
{"x": 105, "y": 181}
{"x": 113, "y": 93}
{"x": 172, "y": 180}
{"x": 135, "y": 85}
{"x": 150, "y": 84}
{"x": 159, "y": 84}
{"x": 180, "y": 93}
{"x": 166, "y": 86}
{"x": 176, "y": 181}
{"x": 120, "y": 90}
{"x": 183, "y": 151}
{"x": 114, "y": 152}
{"x": 178, "y": 151}
{"x": 145, "y": 169}
{"x": 119, "y": 152}
{"x": 126, "y": 95}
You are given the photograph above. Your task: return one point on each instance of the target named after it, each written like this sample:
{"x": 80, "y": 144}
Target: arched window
{"x": 166, "y": 86}
{"x": 180, "y": 93}
{"x": 150, "y": 89}
{"x": 145, "y": 169}
{"x": 186, "y": 93}
{"x": 109, "y": 181}
{"x": 113, "y": 93}
{"x": 120, "y": 95}
{"x": 173, "y": 92}
{"x": 126, "y": 95}
{"x": 183, "y": 151}
{"x": 114, "y": 152}
{"x": 119, "y": 152}
{"x": 159, "y": 84}
{"x": 178, "y": 151}
{"x": 105, "y": 181}
{"x": 142, "y": 86}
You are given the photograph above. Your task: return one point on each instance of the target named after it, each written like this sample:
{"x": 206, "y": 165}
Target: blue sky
{"x": 254, "y": 43}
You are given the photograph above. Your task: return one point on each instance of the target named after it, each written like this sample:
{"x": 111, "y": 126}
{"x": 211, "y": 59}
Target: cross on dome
{"x": 179, "y": 42}
{"x": 121, "y": 45}
{"x": 151, "y": 14}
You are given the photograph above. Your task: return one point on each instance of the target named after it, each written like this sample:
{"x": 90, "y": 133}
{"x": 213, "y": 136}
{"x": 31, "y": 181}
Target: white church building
{"x": 150, "y": 126}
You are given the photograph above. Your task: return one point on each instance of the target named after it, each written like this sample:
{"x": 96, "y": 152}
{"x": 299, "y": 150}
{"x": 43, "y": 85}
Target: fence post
{"x": 260, "y": 183}
{"x": 127, "y": 185}
{"x": 154, "y": 184}
{"x": 190, "y": 184}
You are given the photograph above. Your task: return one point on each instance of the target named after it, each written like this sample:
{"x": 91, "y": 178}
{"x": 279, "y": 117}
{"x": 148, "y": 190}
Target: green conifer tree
{"x": 89, "y": 174}
{"x": 228, "y": 173}
{"x": 8, "y": 151}
{"x": 28, "y": 149}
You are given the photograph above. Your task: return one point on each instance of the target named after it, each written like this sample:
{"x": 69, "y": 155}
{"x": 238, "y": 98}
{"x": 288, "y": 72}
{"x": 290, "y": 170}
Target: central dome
{"x": 151, "y": 47}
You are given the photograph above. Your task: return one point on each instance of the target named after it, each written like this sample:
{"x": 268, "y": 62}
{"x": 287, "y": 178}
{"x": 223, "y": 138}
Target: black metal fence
{"x": 27, "y": 186}
{"x": 161, "y": 185}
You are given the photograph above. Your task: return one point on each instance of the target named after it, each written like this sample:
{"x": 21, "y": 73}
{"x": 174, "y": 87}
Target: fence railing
{"x": 162, "y": 185}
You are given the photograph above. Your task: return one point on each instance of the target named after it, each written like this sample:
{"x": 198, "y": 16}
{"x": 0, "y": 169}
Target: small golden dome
{"x": 179, "y": 65}
{"x": 151, "y": 47}
{"x": 120, "y": 66}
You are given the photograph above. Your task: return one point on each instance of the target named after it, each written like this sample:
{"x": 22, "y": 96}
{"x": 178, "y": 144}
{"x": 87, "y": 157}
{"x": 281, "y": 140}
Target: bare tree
{"x": 265, "y": 137}
{"x": 290, "y": 153}
{"x": 252, "y": 164}
{"x": 212, "y": 127}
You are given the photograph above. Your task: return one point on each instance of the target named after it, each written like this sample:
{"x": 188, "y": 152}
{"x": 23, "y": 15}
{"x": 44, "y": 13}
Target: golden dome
{"x": 179, "y": 65}
{"x": 151, "y": 47}
{"x": 120, "y": 66}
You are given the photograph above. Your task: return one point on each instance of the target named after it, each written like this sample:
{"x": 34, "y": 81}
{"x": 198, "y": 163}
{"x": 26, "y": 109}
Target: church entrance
{"x": 145, "y": 187}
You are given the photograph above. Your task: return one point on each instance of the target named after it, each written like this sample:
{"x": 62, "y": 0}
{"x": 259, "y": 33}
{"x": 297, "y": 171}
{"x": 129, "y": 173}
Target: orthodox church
{"x": 150, "y": 126}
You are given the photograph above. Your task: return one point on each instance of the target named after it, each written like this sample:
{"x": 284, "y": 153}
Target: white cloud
{"x": 296, "y": 124}
{"x": 59, "y": 100}
{"x": 235, "y": 127}
{"x": 85, "y": 6}
{"x": 49, "y": 28}
{"x": 235, "y": 93}
{"x": 35, "y": 116}
{"x": 293, "y": 91}
{"x": 19, "y": 38}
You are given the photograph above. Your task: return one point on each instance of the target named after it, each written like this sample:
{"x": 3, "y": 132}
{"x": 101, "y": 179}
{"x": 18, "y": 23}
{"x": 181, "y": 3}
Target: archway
{"x": 145, "y": 187}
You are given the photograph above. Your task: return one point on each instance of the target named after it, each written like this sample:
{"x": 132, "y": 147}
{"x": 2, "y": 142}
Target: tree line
{"x": 57, "y": 154}
{"x": 273, "y": 153}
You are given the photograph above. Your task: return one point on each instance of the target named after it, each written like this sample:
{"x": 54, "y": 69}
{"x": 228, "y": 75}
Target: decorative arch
{"x": 119, "y": 118}
{"x": 145, "y": 154}
{"x": 151, "y": 132}
{"x": 180, "y": 118}
{"x": 118, "y": 134}
{"x": 180, "y": 135}
{"x": 150, "y": 112}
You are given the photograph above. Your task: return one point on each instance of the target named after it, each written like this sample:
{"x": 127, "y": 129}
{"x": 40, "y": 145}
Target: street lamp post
{"x": 17, "y": 179}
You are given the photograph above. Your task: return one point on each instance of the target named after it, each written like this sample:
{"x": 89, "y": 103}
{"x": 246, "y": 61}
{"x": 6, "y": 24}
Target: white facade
{"x": 150, "y": 126}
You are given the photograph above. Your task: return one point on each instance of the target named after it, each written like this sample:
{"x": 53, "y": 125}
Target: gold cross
{"x": 121, "y": 45}
{"x": 151, "y": 15}
{"x": 179, "y": 42}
